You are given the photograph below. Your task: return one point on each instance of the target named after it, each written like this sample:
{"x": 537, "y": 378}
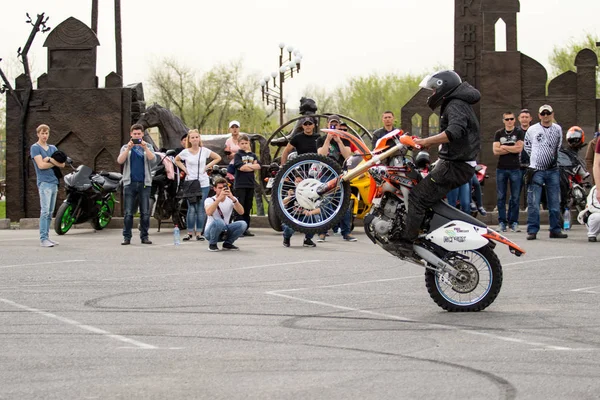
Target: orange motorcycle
{"x": 462, "y": 271}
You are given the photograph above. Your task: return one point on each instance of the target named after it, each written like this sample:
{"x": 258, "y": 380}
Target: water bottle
{"x": 176, "y": 238}
{"x": 567, "y": 219}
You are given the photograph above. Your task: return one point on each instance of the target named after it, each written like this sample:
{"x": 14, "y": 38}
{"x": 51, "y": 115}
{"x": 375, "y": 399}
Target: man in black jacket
{"x": 460, "y": 144}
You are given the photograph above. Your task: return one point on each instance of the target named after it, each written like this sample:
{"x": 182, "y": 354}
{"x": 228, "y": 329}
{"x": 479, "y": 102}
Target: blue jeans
{"x": 551, "y": 178}
{"x": 503, "y": 177}
{"x": 141, "y": 192}
{"x": 476, "y": 186}
{"x": 463, "y": 193}
{"x": 47, "y": 193}
{"x": 234, "y": 231}
{"x": 196, "y": 214}
{"x": 344, "y": 225}
{"x": 288, "y": 232}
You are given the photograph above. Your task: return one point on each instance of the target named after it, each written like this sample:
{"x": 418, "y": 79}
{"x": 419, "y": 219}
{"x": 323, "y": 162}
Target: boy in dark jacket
{"x": 245, "y": 163}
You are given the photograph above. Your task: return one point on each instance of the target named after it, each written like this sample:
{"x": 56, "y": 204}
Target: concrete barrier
{"x": 4, "y": 223}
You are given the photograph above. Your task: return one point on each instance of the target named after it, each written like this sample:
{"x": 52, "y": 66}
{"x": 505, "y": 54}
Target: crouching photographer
{"x": 219, "y": 209}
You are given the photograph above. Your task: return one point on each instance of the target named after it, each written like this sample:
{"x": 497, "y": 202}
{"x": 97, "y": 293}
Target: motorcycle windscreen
{"x": 81, "y": 177}
{"x": 458, "y": 236}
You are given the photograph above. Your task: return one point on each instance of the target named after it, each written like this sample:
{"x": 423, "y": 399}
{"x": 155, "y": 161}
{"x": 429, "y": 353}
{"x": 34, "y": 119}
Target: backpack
{"x": 592, "y": 201}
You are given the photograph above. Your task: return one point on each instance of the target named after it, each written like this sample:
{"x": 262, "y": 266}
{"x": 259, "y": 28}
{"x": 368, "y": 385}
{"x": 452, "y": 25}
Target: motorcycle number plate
{"x": 270, "y": 183}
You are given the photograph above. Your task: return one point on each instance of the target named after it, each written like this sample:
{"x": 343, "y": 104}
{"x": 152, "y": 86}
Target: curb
{"x": 490, "y": 219}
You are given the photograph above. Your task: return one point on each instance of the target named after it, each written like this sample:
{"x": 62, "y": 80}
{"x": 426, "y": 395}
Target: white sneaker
{"x": 53, "y": 242}
{"x": 46, "y": 243}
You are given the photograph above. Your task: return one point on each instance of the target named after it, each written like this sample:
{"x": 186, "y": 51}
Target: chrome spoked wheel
{"x": 476, "y": 287}
{"x": 295, "y": 196}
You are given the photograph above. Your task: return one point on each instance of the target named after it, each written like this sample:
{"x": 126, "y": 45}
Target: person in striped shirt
{"x": 542, "y": 142}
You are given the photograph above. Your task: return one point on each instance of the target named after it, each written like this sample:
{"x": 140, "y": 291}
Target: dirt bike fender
{"x": 458, "y": 236}
{"x": 513, "y": 247}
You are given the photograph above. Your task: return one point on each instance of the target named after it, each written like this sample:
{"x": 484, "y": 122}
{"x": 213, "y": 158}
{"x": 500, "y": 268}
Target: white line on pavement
{"x": 587, "y": 289}
{"x": 88, "y": 328}
{"x": 403, "y": 319}
{"x": 42, "y": 263}
{"x": 540, "y": 259}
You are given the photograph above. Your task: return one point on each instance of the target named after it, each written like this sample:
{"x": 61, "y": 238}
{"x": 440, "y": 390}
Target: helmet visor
{"x": 431, "y": 83}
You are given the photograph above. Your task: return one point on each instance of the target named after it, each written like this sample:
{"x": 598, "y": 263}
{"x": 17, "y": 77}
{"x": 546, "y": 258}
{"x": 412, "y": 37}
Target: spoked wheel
{"x": 64, "y": 219}
{"x": 476, "y": 288}
{"x": 295, "y": 198}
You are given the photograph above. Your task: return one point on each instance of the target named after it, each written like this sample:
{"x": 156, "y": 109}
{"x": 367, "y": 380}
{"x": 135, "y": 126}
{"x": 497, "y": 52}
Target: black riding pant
{"x": 446, "y": 175}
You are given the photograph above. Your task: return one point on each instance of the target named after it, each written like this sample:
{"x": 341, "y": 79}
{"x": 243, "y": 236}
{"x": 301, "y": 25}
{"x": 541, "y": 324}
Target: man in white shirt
{"x": 542, "y": 142}
{"x": 219, "y": 209}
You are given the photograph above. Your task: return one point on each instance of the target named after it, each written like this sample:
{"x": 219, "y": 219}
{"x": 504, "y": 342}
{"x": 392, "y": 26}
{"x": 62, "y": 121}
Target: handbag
{"x": 191, "y": 188}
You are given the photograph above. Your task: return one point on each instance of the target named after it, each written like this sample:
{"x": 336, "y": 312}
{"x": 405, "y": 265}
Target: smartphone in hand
{"x": 136, "y": 141}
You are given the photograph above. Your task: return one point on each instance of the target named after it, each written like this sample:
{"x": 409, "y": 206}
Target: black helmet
{"x": 575, "y": 136}
{"x": 442, "y": 83}
{"x": 422, "y": 159}
{"x": 307, "y": 106}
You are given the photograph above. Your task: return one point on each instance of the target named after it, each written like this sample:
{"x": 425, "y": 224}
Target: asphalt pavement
{"x": 91, "y": 319}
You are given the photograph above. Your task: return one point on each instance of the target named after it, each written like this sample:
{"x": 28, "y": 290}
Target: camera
{"x": 136, "y": 141}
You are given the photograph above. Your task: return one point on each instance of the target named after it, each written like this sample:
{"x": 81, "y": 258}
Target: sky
{"x": 338, "y": 39}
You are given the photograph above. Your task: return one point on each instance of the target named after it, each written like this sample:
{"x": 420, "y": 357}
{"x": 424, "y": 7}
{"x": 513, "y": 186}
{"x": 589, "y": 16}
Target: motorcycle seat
{"x": 447, "y": 211}
{"x": 115, "y": 176}
{"x": 110, "y": 185}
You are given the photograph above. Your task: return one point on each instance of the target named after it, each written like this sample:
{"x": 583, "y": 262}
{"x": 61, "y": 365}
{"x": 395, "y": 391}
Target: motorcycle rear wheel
{"x": 311, "y": 167}
{"x": 179, "y": 217}
{"x": 64, "y": 219}
{"x": 274, "y": 220}
{"x": 103, "y": 218}
{"x": 485, "y": 280}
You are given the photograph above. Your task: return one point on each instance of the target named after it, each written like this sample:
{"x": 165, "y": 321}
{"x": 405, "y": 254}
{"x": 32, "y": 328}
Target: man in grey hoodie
{"x": 460, "y": 145}
{"x": 138, "y": 158}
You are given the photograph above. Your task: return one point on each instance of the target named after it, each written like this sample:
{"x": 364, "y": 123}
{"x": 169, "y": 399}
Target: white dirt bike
{"x": 462, "y": 272}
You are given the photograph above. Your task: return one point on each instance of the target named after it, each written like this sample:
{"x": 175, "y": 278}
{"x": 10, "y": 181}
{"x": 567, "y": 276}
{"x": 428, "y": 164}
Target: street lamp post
{"x": 274, "y": 94}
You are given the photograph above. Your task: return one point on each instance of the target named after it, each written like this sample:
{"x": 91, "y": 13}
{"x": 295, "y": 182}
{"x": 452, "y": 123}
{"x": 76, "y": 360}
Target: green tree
{"x": 562, "y": 58}
{"x": 365, "y": 98}
{"x": 209, "y": 99}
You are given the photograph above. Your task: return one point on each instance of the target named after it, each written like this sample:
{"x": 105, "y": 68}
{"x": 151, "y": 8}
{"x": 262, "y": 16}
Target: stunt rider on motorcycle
{"x": 460, "y": 140}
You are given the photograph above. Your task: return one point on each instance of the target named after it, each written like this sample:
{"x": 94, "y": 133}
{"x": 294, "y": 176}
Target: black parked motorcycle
{"x": 90, "y": 197}
{"x": 164, "y": 202}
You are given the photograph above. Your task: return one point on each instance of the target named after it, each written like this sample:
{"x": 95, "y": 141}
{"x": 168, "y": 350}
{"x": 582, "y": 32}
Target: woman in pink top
{"x": 231, "y": 144}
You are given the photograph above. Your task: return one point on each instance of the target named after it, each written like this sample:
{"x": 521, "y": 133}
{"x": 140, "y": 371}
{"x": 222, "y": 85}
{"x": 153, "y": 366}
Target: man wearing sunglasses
{"x": 508, "y": 143}
{"x": 542, "y": 142}
{"x": 305, "y": 142}
{"x": 333, "y": 146}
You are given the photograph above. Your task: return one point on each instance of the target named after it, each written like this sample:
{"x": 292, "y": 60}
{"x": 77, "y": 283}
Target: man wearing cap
{"x": 305, "y": 142}
{"x": 542, "y": 142}
{"x": 388, "y": 125}
{"x": 231, "y": 144}
{"x": 338, "y": 149}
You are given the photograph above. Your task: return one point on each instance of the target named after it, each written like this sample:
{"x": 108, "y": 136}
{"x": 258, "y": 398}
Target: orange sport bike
{"x": 462, "y": 272}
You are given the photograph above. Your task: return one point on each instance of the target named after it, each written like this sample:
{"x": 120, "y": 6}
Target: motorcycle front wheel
{"x": 304, "y": 174}
{"x": 64, "y": 219}
{"x": 482, "y": 285}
